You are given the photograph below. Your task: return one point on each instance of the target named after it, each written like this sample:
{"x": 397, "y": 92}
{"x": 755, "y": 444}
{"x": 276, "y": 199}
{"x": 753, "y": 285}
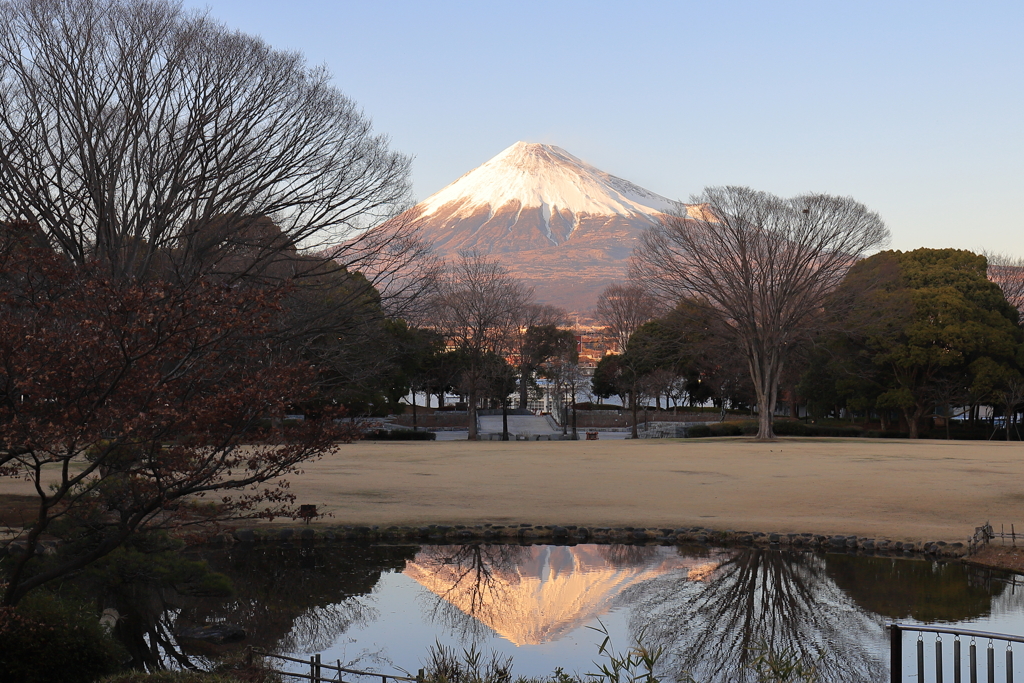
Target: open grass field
{"x": 896, "y": 489}
{"x": 926, "y": 490}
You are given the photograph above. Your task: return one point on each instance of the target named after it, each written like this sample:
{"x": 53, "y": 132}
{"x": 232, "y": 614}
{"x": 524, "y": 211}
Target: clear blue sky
{"x": 914, "y": 108}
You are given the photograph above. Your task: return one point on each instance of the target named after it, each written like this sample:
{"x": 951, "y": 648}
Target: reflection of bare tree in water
{"x": 628, "y": 555}
{"x": 146, "y": 630}
{"x": 781, "y": 599}
{"x": 319, "y": 626}
{"x": 471, "y": 573}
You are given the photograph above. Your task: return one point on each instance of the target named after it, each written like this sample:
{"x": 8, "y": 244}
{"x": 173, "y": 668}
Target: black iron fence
{"x": 319, "y": 672}
{"x": 961, "y": 664}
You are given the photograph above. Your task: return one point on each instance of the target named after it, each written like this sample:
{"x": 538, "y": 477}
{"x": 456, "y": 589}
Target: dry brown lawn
{"x": 926, "y": 490}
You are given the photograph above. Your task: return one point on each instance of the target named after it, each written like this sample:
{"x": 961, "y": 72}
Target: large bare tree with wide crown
{"x": 762, "y": 264}
{"x": 153, "y": 139}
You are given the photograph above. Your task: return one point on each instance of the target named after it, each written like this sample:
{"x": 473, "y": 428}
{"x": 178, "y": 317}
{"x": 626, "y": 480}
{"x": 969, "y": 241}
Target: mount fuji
{"x": 561, "y": 225}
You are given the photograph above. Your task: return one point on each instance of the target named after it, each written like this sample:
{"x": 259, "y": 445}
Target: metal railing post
{"x": 957, "y": 665}
{"x": 1009, "y": 663}
{"x": 991, "y": 663}
{"x": 896, "y": 653}
{"x": 920, "y": 657}
{"x": 938, "y": 659}
{"x": 316, "y": 669}
{"x": 974, "y": 661}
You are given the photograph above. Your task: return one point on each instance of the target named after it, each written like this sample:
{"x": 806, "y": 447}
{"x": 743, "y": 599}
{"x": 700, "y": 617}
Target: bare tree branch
{"x": 763, "y": 264}
{"x": 478, "y": 309}
{"x": 138, "y": 133}
{"x": 624, "y": 308}
{"x": 1008, "y": 272}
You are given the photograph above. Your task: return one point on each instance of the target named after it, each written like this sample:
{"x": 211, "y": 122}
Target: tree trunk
{"x": 764, "y": 420}
{"x": 911, "y": 425}
{"x": 524, "y": 386}
{"x": 632, "y": 400}
{"x": 765, "y": 372}
{"x": 914, "y": 421}
{"x": 504, "y": 419}
{"x": 471, "y": 412}
{"x": 414, "y": 411}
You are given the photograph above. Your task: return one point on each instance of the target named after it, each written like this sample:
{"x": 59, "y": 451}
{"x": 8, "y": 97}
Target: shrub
{"x": 791, "y": 428}
{"x": 698, "y": 432}
{"x": 714, "y": 429}
{"x": 825, "y": 430}
{"x": 794, "y": 428}
{"x": 726, "y": 429}
{"x": 45, "y": 640}
{"x": 399, "y": 435}
{"x": 747, "y": 428}
{"x": 889, "y": 434}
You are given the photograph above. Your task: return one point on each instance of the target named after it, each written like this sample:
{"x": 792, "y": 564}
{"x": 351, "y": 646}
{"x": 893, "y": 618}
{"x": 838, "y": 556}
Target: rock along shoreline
{"x": 573, "y": 534}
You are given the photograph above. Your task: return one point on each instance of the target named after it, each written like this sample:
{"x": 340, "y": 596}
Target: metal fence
{"x": 962, "y": 666}
{"x": 328, "y": 673}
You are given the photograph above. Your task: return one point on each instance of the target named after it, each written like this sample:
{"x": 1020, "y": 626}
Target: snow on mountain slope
{"x": 549, "y": 591}
{"x": 535, "y": 175}
{"x": 563, "y": 226}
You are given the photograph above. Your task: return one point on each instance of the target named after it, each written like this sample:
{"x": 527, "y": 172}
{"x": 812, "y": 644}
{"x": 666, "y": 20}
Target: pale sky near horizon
{"x": 914, "y": 108}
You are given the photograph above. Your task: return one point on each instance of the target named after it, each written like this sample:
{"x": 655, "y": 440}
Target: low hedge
{"x": 399, "y": 435}
{"x": 715, "y": 429}
{"x": 794, "y": 428}
{"x": 888, "y": 434}
{"x": 781, "y": 427}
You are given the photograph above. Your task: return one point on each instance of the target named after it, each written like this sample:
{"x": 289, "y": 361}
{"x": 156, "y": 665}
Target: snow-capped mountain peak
{"x": 563, "y": 226}
{"x": 542, "y": 176}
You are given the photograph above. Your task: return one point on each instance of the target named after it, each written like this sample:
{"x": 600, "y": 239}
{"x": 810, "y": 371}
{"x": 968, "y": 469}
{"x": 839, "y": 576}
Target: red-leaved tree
{"x": 124, "y": 402}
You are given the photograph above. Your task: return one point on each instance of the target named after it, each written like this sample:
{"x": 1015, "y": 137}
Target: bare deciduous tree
{"x": 713, "y": 627}
{"x": 1008, "y": 272}
{"x": 477, "y": 309}
{"x": 530, "y": 317}
{"x": 763, "y": 264}
{"x": 152, "y": 138}
{"x": 624, "y": 308}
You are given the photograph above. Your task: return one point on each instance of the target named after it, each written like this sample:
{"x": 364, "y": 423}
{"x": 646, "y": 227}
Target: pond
{"x": 382, "y": 607}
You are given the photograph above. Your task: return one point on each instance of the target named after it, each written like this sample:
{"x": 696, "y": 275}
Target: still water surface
{"x": 383, "y": 606}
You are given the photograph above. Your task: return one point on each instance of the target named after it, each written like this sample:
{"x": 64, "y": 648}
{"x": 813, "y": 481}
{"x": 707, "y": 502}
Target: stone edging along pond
{"x": 570, "y": 534}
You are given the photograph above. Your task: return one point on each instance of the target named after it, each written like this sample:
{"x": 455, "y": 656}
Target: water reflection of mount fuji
{"x": 536, "y": 594}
